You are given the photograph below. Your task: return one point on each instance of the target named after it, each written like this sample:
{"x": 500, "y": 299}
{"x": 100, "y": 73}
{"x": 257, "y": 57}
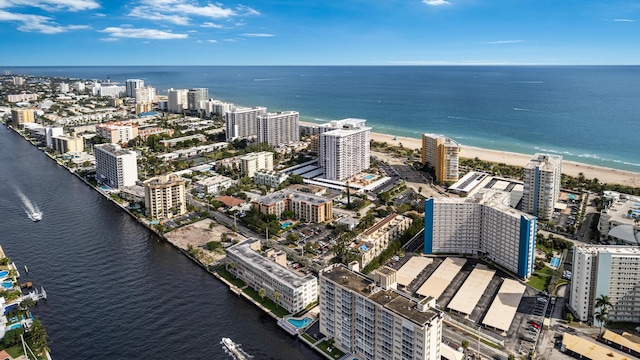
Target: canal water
{"x": 116, "y": 291}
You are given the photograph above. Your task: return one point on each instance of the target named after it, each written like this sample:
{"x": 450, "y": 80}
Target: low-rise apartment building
{"x": 375, "y": 239}
{"x": 304, "y": 206}
{"x": 271, "y": 179}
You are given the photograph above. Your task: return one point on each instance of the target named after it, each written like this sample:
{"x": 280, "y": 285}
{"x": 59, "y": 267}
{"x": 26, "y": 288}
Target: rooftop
{"x": 544, "y": 161}
{"x": 113, "y": 149}
{"x": 389, "y": 299}
{"x": 290, "y": 194}
{"x": 268, "y": 266}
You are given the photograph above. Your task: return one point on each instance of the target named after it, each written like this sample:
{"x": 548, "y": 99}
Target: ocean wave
{"x": 590, "y": 156}
{"x": 521, "y": 109}
{"x": 631, "y": 164}
{"x": 266, "y": 79}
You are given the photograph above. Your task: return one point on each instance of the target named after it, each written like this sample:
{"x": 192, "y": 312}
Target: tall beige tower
{"x": 442, "y": 154}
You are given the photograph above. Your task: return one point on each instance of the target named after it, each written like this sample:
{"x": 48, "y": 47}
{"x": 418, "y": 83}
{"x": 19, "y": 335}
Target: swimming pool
{"x": 286, "y": 224}
{"x": 7, "y": 284}
{"x": 300, "y": 323}
{"x": 369, "y": 177}
{"x": 4, "y": 273}
{"x": 15, "y": 326}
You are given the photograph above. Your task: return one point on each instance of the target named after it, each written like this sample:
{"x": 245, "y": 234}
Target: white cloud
{"x": 148, "y": 13}
{"x": 436, "y": 2}
{"x": 211, "y": 25}
{"x": 230, "y": 40}
{"x": 142, "y": 33}
{"x": 212, "y": 41}
{"x": 502, "y": 42}
{"x": 257, "y": 35}
{"x": 52, "y": 5}
{"x": 624, "y": 20}
{"x": 247, "y": 10}
{"x": 38, "y": 23}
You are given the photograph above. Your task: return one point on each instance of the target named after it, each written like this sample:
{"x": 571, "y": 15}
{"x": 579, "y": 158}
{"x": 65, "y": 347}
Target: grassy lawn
{"x": 16, "y": 351}
{"x": 308, "y": 338}
{"x": 268, "y": 303}
{"x": 229, "y": 277}
{"x": 540, "y": 278}
{"x": 335, "y": 353}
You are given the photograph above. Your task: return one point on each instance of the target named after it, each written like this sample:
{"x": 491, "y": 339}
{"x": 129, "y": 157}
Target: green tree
{"x": 276, "y": 296}
{"x": 569, "y": 317}
{"x": 262, "y": 293}
{"x": 465, "y": 346}
{"x": 603, "y": 301}
{"x": 27, "y": 303}
{"x": 601, "y": 316}
{"x": 511, "y": 357}
{"x": 38, "y": 337}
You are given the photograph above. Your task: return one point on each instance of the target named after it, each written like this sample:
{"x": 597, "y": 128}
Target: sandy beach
{"x": 605, "y": 175}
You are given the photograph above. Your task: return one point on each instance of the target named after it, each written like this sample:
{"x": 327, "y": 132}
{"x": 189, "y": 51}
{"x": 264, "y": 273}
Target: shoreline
{"x": 572, "y": 168}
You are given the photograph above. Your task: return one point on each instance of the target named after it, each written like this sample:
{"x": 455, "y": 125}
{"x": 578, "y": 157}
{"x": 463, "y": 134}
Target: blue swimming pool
{"x": 555, "y": 262}
{"x": 300, "y": 323}
{"x": 286, "y": 224}
{"x": 4, "y": 273}
{"x": 369, "y": 177}
{"x": 15, "y": 326}
{"x": 7, "y": 284}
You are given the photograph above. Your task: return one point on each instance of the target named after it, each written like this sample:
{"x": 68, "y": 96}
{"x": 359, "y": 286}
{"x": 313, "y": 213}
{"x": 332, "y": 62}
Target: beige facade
{"x": 375, "y": 321}
{"x": 22, "y": 116}
{"x": 117, "y": 132}
{"x": 377, "y": 238}
{"x": 66, "y": 143}
{"x": 442, "y": 154}
{"x": 304, "y": 206}
{"x": 164, "y": 197}
{"x": 253, "y": 162}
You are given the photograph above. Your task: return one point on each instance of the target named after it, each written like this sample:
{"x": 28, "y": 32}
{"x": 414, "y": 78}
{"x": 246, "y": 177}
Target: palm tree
{"x": 276, "y": 297}
{"x": 603, "y": 301}
{"x": 601, "y": 316}
{"x": 465, "y": 346}
{"x": 262, "y": 293}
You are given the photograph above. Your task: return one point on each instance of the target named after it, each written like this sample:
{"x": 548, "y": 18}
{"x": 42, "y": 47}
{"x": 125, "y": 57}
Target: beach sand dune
{"x": 572, "y": 168}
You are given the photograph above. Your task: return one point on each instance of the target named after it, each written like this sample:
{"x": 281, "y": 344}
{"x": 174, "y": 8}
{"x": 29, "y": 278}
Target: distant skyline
{"x": 311, "y": 32}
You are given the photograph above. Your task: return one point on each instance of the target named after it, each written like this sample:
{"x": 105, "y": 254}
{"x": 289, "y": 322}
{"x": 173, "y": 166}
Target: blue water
{"x": 15, "y": 326}
{"x": 369, "y": 177}
{"x": 7, "y": 285}
{"x": 285, "y": 224}
{"x": 585, "y": 113}
{"x": 3, "y": 273}
{"x": 300, "y": 323}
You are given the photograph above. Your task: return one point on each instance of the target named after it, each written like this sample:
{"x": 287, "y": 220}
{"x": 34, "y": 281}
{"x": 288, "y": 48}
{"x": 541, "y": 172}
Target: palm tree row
{"x": 602, "y": 306}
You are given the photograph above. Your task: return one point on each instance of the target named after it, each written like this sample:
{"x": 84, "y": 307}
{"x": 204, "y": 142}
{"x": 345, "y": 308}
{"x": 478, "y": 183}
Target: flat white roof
{"x": 500, "y": 185}
{"x": 591, "y": 349}
{"x": 411, "y": 269}
{"x": 471, "y": 291}
{"x": 504, "y": 306}
{"x": 441, "y": 278}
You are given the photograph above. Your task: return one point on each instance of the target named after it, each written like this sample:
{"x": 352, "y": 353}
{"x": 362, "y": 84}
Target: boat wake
{"x": 234, "y": 350}
{"x": 31, "y": 209}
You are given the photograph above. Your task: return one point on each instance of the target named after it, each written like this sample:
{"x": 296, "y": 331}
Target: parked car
{"x": 542, "y": 300}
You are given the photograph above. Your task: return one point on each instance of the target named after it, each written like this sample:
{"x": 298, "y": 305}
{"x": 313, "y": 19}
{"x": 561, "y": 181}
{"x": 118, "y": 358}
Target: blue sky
{"x": 311, "y": 32}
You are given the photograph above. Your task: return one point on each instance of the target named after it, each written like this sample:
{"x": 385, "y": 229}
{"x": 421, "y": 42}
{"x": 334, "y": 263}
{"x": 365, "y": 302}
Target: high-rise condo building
{"x": 542, "y": 176}
{"x": 145, "y": 95}
{"x": 176, "y": 100}
{"x": 373, "y": 320}
{"x": 196, "y": 98}
{"x": 164, "y": 197}
{"x": 131, "y": 86}
{"x": 344, "y": 148}
{"x": 482, "y": 225}
{"x": 619, "y": 218}
{"x": 241, "y": 123}
{"x": 279, "y": 128}
{"x": 64, "y": 88}
{"x": 117, "y": 132}
{"x": 20, "y": 117}
{"x": 115, "y": 166}
{"x": 441, "y": 153}
{"x": 613, "y": 271}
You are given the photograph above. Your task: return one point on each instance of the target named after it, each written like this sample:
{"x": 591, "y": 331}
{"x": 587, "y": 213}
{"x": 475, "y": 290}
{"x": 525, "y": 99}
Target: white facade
{"x": 145, "y": 95}
{"x": 131, "y": 85}
{"x": 114, "y": 166}
{"x": 279, "y": 128}
{"x": 542, "y": 176}
{"x": 619, "y": 218}
{"x": 242, "y": 123}
{"x": 108, "y": 91}
{"x": 196, "y": 98}
{"x": 64, "y": 88}
{"x": 176, "y": 100}
{"x": 52, "y": 131}
{"x": 260, "y": 272}
{"x": 344, "y": 148}
{"x": 252, "y": 162}
{"x": 269, "y": 178}
{"x": 613, "y": 271}
{"x": 214, "y": 184}
{"x": 217, "y": 107}
{"x": 79, "y": 86}
{"x": 483, "y": 225}
{"x": 375, "y": 321}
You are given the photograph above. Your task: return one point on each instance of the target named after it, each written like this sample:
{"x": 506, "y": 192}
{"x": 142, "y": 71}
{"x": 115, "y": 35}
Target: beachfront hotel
{"x": 613, "y": 271}
{"x": 442, "y": 154}
{"x": 242, "y": 123}
{"x": 620, "y": 219}
{"x": 373, "y": 320}
{"x": 115, "y": 167}
{"x": 164, "y": 196}
{"x": 542, "y": 176}
{"x": 196, "y": 98}
{"x": 483, "y": 225}
{"x": 344, "y": 148}
{"x": 177, "y": 100}
{"x": 117, "y": 132}
{"x": 268, "y": 270}
{"x": 279, "y": 128}
{"x": 252, "y": 162}
{"x": 19, "y": 117}
{"x": 304, "y": 206}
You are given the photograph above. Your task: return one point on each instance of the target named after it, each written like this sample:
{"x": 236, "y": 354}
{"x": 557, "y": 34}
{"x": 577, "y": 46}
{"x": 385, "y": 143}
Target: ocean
{"x": 587, "y": 114}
